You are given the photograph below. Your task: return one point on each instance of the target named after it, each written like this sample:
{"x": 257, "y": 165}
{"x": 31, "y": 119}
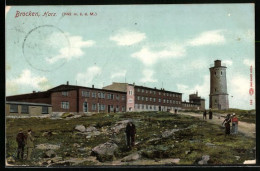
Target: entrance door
{"x": 160, "y": 109}
{"x": 85, "y": 107}
{"x": 108, "y": 108}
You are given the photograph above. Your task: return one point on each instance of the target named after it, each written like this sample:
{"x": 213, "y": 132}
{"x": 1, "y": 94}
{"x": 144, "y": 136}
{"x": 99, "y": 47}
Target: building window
{"x": 142, "y": 106}
{"x": 146, "y": 99}
{"x": 108, "y": 96}
{"x": 123, "y": 108}
{"x": 146, "y": 106}
{"x": 167, "y": 94}
{"x": 93, "y": 106}
{"x": 154, "y": 99}
{"x": 65, "y": 93}
{"x": 163, "y": 94}
{"x": 112, "y": 96}
{"x": 154, "y": 107}
{"x": 167, "y": 101}
{"x": 138, "y": 90}
{"x": 154, "y": 92}
{"x": 130, "y": 92}
{"x": 123, "y": 97}
{"x": 65, "y": 105}
{"x": 173, "y": 95}
{"x": 142, "y": 90}
{"x": 151, "y": 91}
{"x": 45, "y": 110}
{"x": 159, "y": 93}
{"x": 13, "y": 108}
{"x": 117, "y": 97}
{"x": 85, "y": 93}
{"x": 94, "y": 95}
{"x": 99, "y": 95}
{"x": 221, "y": 72}
{"x": 103, "y": 95}
{"x": 151, "y": 99}
{"x": 163, "y": 100}
{"x": 159, "y": 100}
{"x": 151, "y": 107}
{"x": 173, "y": 102}
{"x": 130, "y": 100}
{"x": 170, "y": 101}
{"x": 25, "y": 109}
{"x": 138, "y": 97}
{"x": 146, "y": 91}
{"x": 117, "y": 108}
{"x": 102, "y": 107}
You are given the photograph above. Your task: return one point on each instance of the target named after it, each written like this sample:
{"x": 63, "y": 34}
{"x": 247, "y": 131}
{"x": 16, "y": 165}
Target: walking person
{"x": 130, "y": 134}
{"x": 29, "y": 144}
{"x": 227, "y": 124}
{"x": 210, "y": 114}
{"x": 234, "y": 124}
{"x": 20, "y": 139}
{"x": 204, "y": 114}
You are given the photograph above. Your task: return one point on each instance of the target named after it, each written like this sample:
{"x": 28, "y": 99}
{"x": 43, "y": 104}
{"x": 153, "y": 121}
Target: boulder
{"x": 80, "y": 128}
{"x": 91, "y": 129}
{"x": 249, "y": 162}
{"x": 49, "y": 154}
{"x": 47, "y": 146}
{"x": 120, "y": 125}
{"x": 131, "y": 157}
{"x": 105, "y": 152}
{"x": 168, "y": 133}
{"x": 204, "y": 160}
{"x": 237, "y": 157}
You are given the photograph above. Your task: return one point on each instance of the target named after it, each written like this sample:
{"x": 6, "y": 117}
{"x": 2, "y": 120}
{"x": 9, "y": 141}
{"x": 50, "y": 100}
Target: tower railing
{"x": 222, "y": 64}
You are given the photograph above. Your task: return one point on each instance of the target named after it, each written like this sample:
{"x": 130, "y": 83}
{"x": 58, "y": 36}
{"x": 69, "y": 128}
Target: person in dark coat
{"x": 210, "y": 114}
{"x": 20, "y": 139}
{"x": 227, "y": 124}
{"x": 130, "y": 134}
{"x": 204, "y": 114}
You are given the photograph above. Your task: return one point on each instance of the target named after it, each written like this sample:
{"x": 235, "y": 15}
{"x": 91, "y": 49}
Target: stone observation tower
{"x": 218, "y": 98}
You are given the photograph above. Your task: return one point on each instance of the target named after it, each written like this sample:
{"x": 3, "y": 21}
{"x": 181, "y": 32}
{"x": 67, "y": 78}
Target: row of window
{"x": 160, "y": 93}
{"x": 100, "y": 95}
{"x": 189, "y": 105}
{"x": 25, "y": 109}
{"x": 152, "y": 107}
{"x": 65, "y": 105}
{"x": 159, "y": 100}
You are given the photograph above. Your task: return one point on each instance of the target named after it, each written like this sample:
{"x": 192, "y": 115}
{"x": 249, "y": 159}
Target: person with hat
{"x": 29, "y": 144}
{"x": 130, "y": 134}
{"x": 234, "y": 124}
{"x": 20, "y": 139}
{"x": 227, "y": 124}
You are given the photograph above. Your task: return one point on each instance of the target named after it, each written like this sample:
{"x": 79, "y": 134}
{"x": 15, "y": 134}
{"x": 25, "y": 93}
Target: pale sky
{"x": 152, "y": 45}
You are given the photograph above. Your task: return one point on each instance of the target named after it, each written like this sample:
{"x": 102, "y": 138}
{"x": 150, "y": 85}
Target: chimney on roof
{"x": 133, "y": 83}
{"x": 34, "y": 91}
{"x": 93, "y": 86}
{"x": 67, "y": 82}
{"x": 155, "y": 88}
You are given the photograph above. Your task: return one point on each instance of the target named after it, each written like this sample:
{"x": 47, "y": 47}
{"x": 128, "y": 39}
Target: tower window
{"x": 221, "y": 72}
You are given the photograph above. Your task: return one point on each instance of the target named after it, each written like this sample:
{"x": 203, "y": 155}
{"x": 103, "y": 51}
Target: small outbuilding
{"x": 27, "y": 109}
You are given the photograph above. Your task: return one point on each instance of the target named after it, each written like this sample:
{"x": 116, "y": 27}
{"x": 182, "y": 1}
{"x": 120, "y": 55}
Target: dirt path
{"x": 248, "y": 129}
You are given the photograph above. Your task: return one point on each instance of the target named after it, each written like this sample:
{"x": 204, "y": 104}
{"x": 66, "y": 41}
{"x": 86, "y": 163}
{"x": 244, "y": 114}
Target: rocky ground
{"x": 162, "y": 139}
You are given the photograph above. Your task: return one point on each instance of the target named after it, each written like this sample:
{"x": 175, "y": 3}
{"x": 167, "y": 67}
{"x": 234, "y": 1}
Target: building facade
{"x": 195, "y": 102}
{"x": 218, "y": 98}
{"x": 140, "y": 98}
{"x": 27, "y": 109}
{"x": 78, "y": 99}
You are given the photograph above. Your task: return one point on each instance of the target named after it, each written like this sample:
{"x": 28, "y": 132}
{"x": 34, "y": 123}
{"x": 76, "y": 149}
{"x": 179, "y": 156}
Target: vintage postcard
{"x": 135, "y": 85}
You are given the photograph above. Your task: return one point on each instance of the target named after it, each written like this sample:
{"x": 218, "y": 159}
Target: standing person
{"x": 204, "y": 114}
{"x": 210, "y": 114}
{"x": 29, "y": 144}
{"x": 130, "y": 134}
{"x": 227, "y": 124}
{"x": 20, "y": 139}
{"x": 234, "y": 124}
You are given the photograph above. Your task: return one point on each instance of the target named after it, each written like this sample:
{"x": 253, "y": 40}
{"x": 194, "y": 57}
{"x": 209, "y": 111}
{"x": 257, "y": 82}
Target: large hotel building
{"x": 117, "y": 97}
